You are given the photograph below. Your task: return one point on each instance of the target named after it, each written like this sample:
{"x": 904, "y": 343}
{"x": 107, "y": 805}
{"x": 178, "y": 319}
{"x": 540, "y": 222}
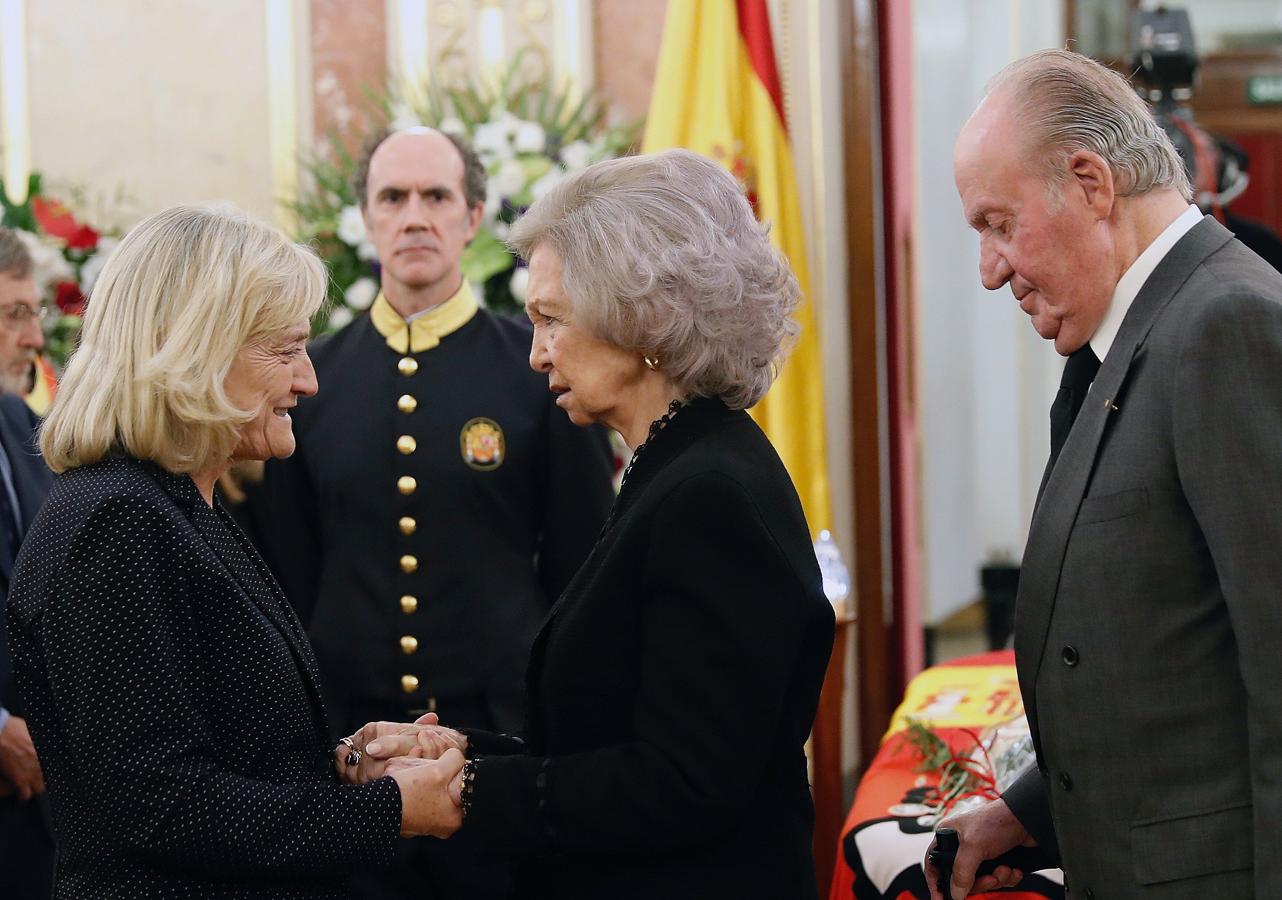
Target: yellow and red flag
{"x": 717, "y": 92}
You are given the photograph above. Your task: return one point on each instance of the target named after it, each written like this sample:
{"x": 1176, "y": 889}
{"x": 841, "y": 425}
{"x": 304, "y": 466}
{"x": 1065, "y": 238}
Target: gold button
{"x": 409, "y": 644}
{"x": 407, "y": 366}
{"x": 409, "y": 683}
{"x": 409, "y": 564}
{"x": 406, "y": 444}
{"x": 408, "y": 525}
{"x": 406, "y": 484}
{"x": 409, "y": 604}
{"x": 406, "y": 404}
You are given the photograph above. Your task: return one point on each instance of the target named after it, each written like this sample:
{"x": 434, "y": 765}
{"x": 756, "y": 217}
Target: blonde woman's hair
{"x": 177, "y": 300}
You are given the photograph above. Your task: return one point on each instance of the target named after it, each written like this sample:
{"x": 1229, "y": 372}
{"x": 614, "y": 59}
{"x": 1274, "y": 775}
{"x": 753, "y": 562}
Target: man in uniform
{"x": 438, "y": 500}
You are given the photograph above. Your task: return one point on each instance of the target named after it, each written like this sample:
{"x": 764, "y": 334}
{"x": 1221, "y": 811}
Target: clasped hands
{"x": 424, "y": 758}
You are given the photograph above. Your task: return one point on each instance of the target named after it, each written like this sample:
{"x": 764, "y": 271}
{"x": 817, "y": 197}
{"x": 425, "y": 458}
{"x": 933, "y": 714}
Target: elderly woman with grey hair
{"x": 674, "y": 684}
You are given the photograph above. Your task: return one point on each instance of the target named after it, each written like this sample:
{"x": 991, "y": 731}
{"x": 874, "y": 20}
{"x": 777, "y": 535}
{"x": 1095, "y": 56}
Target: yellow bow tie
{"x": 426, "y": 330}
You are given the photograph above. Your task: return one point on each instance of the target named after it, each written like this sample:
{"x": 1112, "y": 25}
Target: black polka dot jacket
{"x": 173, "y": 699}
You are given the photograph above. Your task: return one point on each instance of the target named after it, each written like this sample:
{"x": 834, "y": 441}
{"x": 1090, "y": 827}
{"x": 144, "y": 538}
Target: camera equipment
{"x": 1164, "y": 57}
{"x": 1164, "y": 64}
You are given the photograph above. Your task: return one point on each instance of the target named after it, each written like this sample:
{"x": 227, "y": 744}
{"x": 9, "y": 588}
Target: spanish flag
{"x": 717, "y": 92}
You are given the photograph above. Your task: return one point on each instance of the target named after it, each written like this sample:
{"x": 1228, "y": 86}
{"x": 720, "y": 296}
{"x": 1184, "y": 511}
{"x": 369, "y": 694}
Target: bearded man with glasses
{"x": 26, "y": 833}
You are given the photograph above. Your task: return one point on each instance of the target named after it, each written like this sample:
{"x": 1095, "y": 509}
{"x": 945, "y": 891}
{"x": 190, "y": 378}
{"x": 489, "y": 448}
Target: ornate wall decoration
{"x": 448, "y": 41}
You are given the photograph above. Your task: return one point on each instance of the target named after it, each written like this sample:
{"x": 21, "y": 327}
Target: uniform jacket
{"x": 673, "y": 687}
{"x": 173, "y": 700}
{"x": 1149, "y": 612}
{"x": 436, "y": 505}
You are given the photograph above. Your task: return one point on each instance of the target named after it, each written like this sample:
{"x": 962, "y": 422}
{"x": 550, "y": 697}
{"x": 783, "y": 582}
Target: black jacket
{"x": 673, "y": 687}
{"x": 173, "y": 700}
{"x": 31, "y": 478}
{"x": 26, "y": 828}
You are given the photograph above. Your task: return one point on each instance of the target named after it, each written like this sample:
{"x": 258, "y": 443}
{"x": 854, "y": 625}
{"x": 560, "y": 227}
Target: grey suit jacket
{"x": 1150, "y": 602}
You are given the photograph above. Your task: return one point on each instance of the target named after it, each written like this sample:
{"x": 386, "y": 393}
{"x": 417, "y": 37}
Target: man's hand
{"x": 380, "y": 742}
{"x": 985, "y": 832}
{"x": 18, "y": 763}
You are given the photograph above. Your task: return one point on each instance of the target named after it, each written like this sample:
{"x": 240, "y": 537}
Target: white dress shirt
{"x": 1128, "y": 286}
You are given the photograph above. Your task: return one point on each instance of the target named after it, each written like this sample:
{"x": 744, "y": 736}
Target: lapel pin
{"x": 1109, "y": 404}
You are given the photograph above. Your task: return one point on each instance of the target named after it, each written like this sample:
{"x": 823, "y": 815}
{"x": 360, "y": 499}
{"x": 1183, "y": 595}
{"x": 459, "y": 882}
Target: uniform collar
{"x": 425, "y": 330}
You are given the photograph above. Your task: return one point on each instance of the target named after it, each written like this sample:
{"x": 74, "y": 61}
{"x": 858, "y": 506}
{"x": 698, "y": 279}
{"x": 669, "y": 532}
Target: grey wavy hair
{"x": 1070, "y": 102}
{"x": 662, "y": 254}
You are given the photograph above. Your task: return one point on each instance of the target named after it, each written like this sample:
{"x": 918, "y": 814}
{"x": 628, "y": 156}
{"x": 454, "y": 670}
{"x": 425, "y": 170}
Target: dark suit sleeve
{"x": 721, "y": 633}
{"x": 31, "y": 479}
{"x": 1027, "y": 798}
{"x": 124, "y": 665}
{"x": 577, "y": 496}
{"x": 1228, "y": 449}
{"x": 284, "y": 524}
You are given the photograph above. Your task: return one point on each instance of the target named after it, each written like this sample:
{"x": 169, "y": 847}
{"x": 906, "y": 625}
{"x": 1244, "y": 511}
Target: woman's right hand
{"x": 426, "y": 806}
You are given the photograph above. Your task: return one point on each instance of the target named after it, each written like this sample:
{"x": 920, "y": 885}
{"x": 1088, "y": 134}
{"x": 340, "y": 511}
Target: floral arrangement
{"x": 67, "y": 256}
{"x": 528, "y": 134}
{"x": 974, "y": 770}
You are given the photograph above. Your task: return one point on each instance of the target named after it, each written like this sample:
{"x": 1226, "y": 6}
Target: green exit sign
{"x": 1264, "y": 89}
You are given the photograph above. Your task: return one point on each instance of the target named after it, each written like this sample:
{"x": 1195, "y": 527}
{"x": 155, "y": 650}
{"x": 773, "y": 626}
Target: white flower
{"x": 519, "y": 283}
{"x": 403, "y": 117}
{"x": 576, "y": 155}
{"x": 366, "y": 251}
{"x": 507, "y": 122}
{"x": 340, "y": 317}
{"x": 48, "y": 265}
{"x": 351, "y": 226}
{"x": 547, "y": 182}
{"x": 362, "y": 293}
{"x": 510, "y": 178}
{"x": 490, "y": 140}
{"x": 93, "y": 265}
{"x": 530, "y": 138}
{"x": 452, "y": 125}
{"x": 493, "y": 203}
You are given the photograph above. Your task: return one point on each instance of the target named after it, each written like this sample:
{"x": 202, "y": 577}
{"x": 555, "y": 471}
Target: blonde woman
{"x": 171, "y": 691}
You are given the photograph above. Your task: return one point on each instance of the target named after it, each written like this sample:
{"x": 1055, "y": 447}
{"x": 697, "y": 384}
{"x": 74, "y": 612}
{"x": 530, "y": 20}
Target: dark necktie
{"x": 1079, "y": 372}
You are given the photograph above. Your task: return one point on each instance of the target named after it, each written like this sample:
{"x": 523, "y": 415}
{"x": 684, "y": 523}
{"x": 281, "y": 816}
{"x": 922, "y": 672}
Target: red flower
{"x": 69, "y": 299}
{"x": 55, "y": 219}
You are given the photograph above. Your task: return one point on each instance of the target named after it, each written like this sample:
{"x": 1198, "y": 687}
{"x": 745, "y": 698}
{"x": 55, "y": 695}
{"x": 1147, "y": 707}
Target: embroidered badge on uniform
{"x": 482, "y": 444}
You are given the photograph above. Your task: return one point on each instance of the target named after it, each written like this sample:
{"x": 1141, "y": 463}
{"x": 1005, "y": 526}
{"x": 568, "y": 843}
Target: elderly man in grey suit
{"x": 1149, "y": 617}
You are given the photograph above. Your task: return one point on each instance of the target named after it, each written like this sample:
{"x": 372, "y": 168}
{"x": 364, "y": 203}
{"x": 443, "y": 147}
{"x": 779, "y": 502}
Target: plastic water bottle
{"x": 836, "y": 577}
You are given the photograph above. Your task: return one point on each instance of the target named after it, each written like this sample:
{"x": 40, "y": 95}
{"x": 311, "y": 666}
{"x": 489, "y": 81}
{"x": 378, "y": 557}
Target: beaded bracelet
{"x": 469, "y": 785}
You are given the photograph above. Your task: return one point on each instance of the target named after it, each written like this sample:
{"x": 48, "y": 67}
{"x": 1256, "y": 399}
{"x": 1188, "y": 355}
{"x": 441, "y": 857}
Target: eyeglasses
{"x": 16, "y": 315}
